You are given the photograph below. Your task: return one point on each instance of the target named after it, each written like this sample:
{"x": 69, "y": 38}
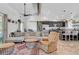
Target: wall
{"x": 12, "y": 14}
{"x": 29, "y": 24}
{"x": 32, "y": 25}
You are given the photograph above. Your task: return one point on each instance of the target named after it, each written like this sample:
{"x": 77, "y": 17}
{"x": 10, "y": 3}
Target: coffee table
{"x": 31, "y": 43}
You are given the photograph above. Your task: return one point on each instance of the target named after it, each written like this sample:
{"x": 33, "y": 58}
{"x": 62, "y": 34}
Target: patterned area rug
{"x": 21, "y": 49}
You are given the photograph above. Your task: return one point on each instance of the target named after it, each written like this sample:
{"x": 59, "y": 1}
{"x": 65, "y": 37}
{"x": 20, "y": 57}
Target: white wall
{"x": 32, "y": 25}
{"x": 12, "y": 14}
{"x": 29, "y": 24}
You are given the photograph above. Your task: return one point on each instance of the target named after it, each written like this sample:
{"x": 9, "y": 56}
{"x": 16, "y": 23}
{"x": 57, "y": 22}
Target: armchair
{"x": 50, "y": 44}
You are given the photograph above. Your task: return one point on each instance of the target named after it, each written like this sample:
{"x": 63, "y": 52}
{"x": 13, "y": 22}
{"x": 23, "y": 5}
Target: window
{"x": 1, "y": 29}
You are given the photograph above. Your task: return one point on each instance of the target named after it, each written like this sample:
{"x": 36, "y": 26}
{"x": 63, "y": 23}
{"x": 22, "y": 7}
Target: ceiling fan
{"x": 38, "y": 9}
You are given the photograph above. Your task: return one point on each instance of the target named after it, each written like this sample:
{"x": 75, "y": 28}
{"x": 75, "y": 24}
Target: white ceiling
{"x": 57, "y": 9}
{"x": 50, "y": 10}
{"x": 20, "y": 7}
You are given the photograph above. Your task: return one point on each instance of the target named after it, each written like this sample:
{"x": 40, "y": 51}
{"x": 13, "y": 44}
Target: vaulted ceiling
{"x": 20, "y": 7}
{"x": 50, "y": 10}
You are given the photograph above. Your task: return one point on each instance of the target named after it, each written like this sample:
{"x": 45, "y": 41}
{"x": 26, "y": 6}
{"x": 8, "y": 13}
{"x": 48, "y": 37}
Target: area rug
{"x": 21, "y": 49}
{"x": 35, "y": 51}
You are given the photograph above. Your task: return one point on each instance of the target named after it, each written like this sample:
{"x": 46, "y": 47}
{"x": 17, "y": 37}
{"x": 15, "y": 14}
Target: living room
{"x": 39, "y": 29}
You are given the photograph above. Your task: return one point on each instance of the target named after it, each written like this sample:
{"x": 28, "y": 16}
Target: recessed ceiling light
{"x": 64, "y": 10}
{"x": 70, "y": 12}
